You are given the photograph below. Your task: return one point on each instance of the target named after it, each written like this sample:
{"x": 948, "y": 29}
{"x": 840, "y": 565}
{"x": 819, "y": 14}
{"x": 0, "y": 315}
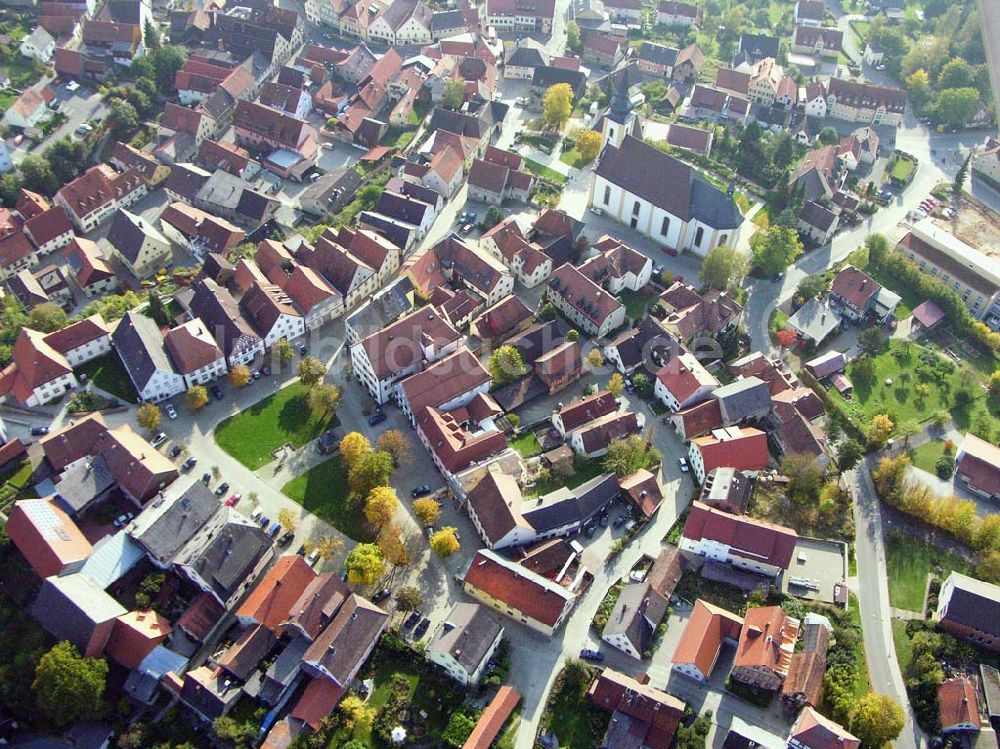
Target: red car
{"x": 234, "y": 500}
{"x": 672, "y": 251}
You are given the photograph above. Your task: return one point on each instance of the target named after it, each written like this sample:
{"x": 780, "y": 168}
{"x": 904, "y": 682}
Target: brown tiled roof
{"x": 644, "y": 490}
{"x": 666, "y": 571}
{"x": 815, "y": 731}
{"x": 226, "y": 156}
{"x": 97, "y": 187}
{"x": 73, "y": 441}
{"x": 444, "y": 380}
{"x": 807, "y": 666}
{"x": 949, "y": 265}
{"x": 78, "y": 333}
{"x": 270, "y": 124}
{"x": 855, "y": 287}
{"x": 979, "y": 464}
{"x": 732, "y": 80}
{"x": 496, "y": 502}
{"x": 600, "y": 433}
{"x": 339, "y": 647}
{"x": 957, "y": 703}
{"x": 316, "y": 606}
{"x": 134, "y": 636}
{"x": 766, "y": 640}
{"x": 864, "y": 95}
{"x": 86, "y": 260}
{"x": 582, "y": 294}
{"x": 419, "y": 327}
{"x": 493, "y": 718}
{"x": 271, "y": 601}
{"x": 453, "y": 446}
{"x": 191, "y": 346}
{"x": 214, "y": 233}
{"x": 49, "y": 225}
{"x": 503, "y": 317}
{"x": 658, "y": 712}
{"x": 201, "y": 616}
{"x": 700, "y": 419}
{"x": 746, "y": 451}
{"x": 46, "y": 536}
{"x": 317, "y": 702}
{"x": 810, "y": 36}
{"x": 587, "y": 409}
{"x": 702, "y": 639}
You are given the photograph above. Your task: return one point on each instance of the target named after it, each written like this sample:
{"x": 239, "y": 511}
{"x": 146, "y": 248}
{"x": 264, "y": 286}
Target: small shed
{"x": 928, "y": 315}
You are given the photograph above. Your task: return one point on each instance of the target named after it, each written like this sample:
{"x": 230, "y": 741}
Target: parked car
{"x": 188, "y": 464}
{"x": 234, "y": 499}
{"x": 312, "y": 557}
{"x": 256, "y": 374}
{"x": 411, "y": 620}
{"x": 672, "y": 251}
{"x": 217, "y": 392}
{"x": 421, "y": 491}
{"x": 39, "y": 431}
{"x": 422, "y": 628}
{"x": 377, "y": 418}
{"x": 620, "y": 521}
{"x": 124, "y": 519}
{"x": 205, "y": 478}
{"x": 222, "y": 489}
{"x": 684, "y": 465}
{"x": 380, "y": 595}
{"x": 302, "y": 348}
{"x": 592, "y": 655}
{"x": 589, "y": 530}
{"x": 274, "y": 530}
{"x": 158, "y": 440}
{"x": 171, "y": 411}
{"x": 286, "y": 538}
{"x": 658, "y": 271}
{"x": 264, "y": 521}
{"x": 596, "y": 211}
{"x": 428, "y": 530}
{"x": 256, "y": 515}
{"x": 175, "y": 451}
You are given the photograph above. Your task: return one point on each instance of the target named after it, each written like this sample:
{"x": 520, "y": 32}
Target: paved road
{"x": 883, "y": 669}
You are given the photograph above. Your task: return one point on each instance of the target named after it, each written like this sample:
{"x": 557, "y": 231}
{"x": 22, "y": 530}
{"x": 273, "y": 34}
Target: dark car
{"x": 188, "y": 464}
{"x": 411, "y": 620}
{"x": 377, "y": 418}
{"x": 223, "y": 488}
{"x": 175, "y": 451}
{"x": 205, "y": 478}
{"x": 620, "y": 521}
{"x": 381, "y": 595}
{"x": 422, "y": 628}
{"x": 589, "y": 530}
{"x": 39, "y": 431}
{"x": 592, "y": 655}
{"x": 421, "y": 491}
{"x": 286, "y": 538}
{"x": 217, "y": 392}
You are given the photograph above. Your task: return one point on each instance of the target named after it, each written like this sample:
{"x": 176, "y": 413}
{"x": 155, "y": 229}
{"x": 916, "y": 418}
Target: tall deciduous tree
{"x": 353, "y": 447}
{"x": 324, "y": 398}
{"x": 588, "y": 144}
{"x": 724, "y": 268}
{"x": 69, "y": 687}
{"x": 557, "y": 106}
{"x": 47, "y": 317}
{"x": 287, "y": 519}
{"x": 197, "y": 397}
{"x": 368, "y": 472}
{"x": 427, "y": 510}
{"x": 381, "y": 505}
{"x": 454, "y": 95}
{"x": 616, "y": 384}
{"x": 775, "y": 249}
{"x": 444, "y": 543}
{"x": 311, "y": 371}
{"x": 506, "y": 365}
{"x": 148, "y": 416}
{"x": 364, "y": 564}
{"x": 409, "y": 598}
{"x": 877, "y": 720}
{"x": 394, "y": 442}
{"x": 880, "y": 429}
{"x": 283, "y": 350}
{"x": 239, "y": 375}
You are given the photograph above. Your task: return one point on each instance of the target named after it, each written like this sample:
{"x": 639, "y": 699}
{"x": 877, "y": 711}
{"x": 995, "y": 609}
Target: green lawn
{"x": 902, "y": 168}
{"x": 430, "y": 691}
{"x": 545, "y": 172}
{"x": 527, "y": 444}
{"x": 635, "y": 303}
{"x": 108, "y": 373}
{"x": 861, "y": 31}
{"x": 573, "y": 158}
{"x": 569, "y": 716}
{"x": 584, "y": 471}
{"x": 908, "y": 562}
{"x": 253, "y": 434}
{"x": 926, "y": 456}
{"x": 908, "y": 300}
{"x": 7, "y": 99}
{"x": 322, "y": 490}
{"x": 17, "y": 476}
{"x": 918, "y": 391}
{"x": 778, "y": 321}
{"x": 903, "y": 646}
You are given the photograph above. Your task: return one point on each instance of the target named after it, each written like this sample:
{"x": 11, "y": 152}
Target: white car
{"x": 596, "y": 211}
{"x": 72, "y": 86}
{"x": 684, "y": 465}
{"x": 158, "y": 440}
{"x": 312, "y": 557}
{"x": 171, "y": 412}
{"x": 328, "y": 146}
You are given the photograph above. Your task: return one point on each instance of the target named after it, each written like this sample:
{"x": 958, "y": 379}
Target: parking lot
{"x": 79, "y": 106}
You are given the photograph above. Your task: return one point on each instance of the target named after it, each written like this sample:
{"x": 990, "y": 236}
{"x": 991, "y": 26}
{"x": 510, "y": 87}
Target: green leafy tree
{"x": 69, "y": 687}
{"x": 454, "y": 95}
{"x": 123, "y": 119}
{"x": 148, "y": 416}
{"x": 114, "y": 306}
{"x": 157, "y": 310}
{"x": 364, "y": 564}
{"x": 150, "y": 36}
{"x": 956, "y": 73}
{"x": 849, "y": 454}
{"x": 37, "y": 175}
{"x": 324, "y": 398}
{"x": 557, "y": 106}
{"x": 626, "y": 456}
{"x": 805, "y": 477}
{"x": 724, "y": 268}
{"x": 775, "y": 249}
{"x": 197, "y": 397}
{"x": 811, "y": 287}
{"x": 872, "y": 341}
{"x": 828, "y": 136}
{"x": 877, "y": 720}
{"x": 47, "y": 318}
{"x": 139, "y": 100}
{"x": 960, "y": 177}
{"x": 458, "y": 730}
{"x": 67, "y": 157}
{"x": 506, "y": 365}
{"x": 10, "y": 183}
{"x": 918, "y": 84}
{"x": 353, "y": 447}
{"x": 166, "y": 62}
{"x": 954, "y": 106}
{"x": 573, "y": 37}
{"x": 409, "y": 598}
{"x": 368, "y": 472}
{"x": 311, "y": 371}
{"x": 282, "y": 349}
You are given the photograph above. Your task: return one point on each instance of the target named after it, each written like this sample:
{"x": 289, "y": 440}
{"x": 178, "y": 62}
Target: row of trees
{"x": 955, "y": 516}
{"x": 757, "y": 154}
{"x": 61, "y": 162}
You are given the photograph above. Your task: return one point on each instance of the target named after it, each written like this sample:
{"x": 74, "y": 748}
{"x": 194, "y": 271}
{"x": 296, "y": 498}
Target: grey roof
{"x": 668, "y": 183}
{"x": 973, "y": 603}
{"x": 467, "y": 633}
{"x": 658, "y": 54}
{"x": 745, "y": 398}
{"x": 144, "y": 681}
{"x": 526, "y": 57}
{"x": 402, "y": 208}
{"x": 111, "y": 559}
{"x": 163, "y": 531}
{"x": 447, "y": 19}
{"x": 991, "y": 688}
{"x": 387, "y": 305}
{"x": 280, "y": 673}
{"x": 817, "y": 216}
{"x": 83, "y": 482}
{"x": 637, "y": 613}
{"x": 332, "y": 189}
{"x": 128, "y": 231}
{"x": 71, "y": 607}
{"x": 634, "y": 343}
{"x": 244, "y": 655}
{"x": 565, "y": 506}
{"x": 397, "y": 232}
{"x": 478, "y": 124}
{"x": 219, "y": 311}
{"x": 754, "y": 47}
{"x": 815, "y": 319}
{"x": 138, "y": 341}
{"x": 727, "y": 489}
{"x": 230, "y": 557}
{"x": 549, "y": 75}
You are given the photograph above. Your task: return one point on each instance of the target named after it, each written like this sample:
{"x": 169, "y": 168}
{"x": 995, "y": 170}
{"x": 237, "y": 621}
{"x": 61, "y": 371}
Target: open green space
{"x": 545, "y": 172}
{"x": 911, "y": 383}
{"x": 900, "y": 168}
{"x": 635, "y": 303}
{"x": 908, "y": 299}
{"x": 583, "y": 471}
{"x": 573, "y": 158}
{"x": 283, "y": 417}
{"x": 7, "y": 98}
{"x": 108, "y": 373}
{"x": 926, "y": 455}
{"x": 526, "y": 444}
{"x": 908, "y": 561}
{"x": 902, "y": 644}
{"x": 428, "y": 691}
{"x": 860, "y": 29}
{"x": 570, "y": 717}
{"x": 322, "y": 490}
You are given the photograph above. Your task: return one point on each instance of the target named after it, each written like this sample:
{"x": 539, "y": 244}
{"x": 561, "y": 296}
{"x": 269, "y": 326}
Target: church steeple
{"x": 620, "y": 120}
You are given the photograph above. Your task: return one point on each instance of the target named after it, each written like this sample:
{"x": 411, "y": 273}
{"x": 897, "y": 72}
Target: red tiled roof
{"x": 855, "y": 287}
{"x": 270, "y": 602}
{"x": 815, "y": 731}
{"x": 49, "y": 225}
{"x": 46, "y": 536}
{"x": 747, "y": 450}
{"x": 700, "y": 419}
{"x": 134, "y": 636}
{"x": 587, "y": 409}
{"x": 453, "y": 446}
{"x": 706, "y": 628}
{"x": 755, "y": 539}
{"x": 979, "y": 464}
{"x": 957, "y": 703}
{"x": 765, "y": 630}
{"x": 191, "y": 346}
{"x": 318, "y": 701}
{"x": 77, "y": 334}
{"x": 493, "y": 718}
{"x": 515, "y": 586}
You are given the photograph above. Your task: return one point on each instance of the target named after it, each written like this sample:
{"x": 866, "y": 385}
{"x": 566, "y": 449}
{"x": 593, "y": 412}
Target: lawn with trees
{"x": 281, "y": 418}
{"x": 322, "y": 490}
